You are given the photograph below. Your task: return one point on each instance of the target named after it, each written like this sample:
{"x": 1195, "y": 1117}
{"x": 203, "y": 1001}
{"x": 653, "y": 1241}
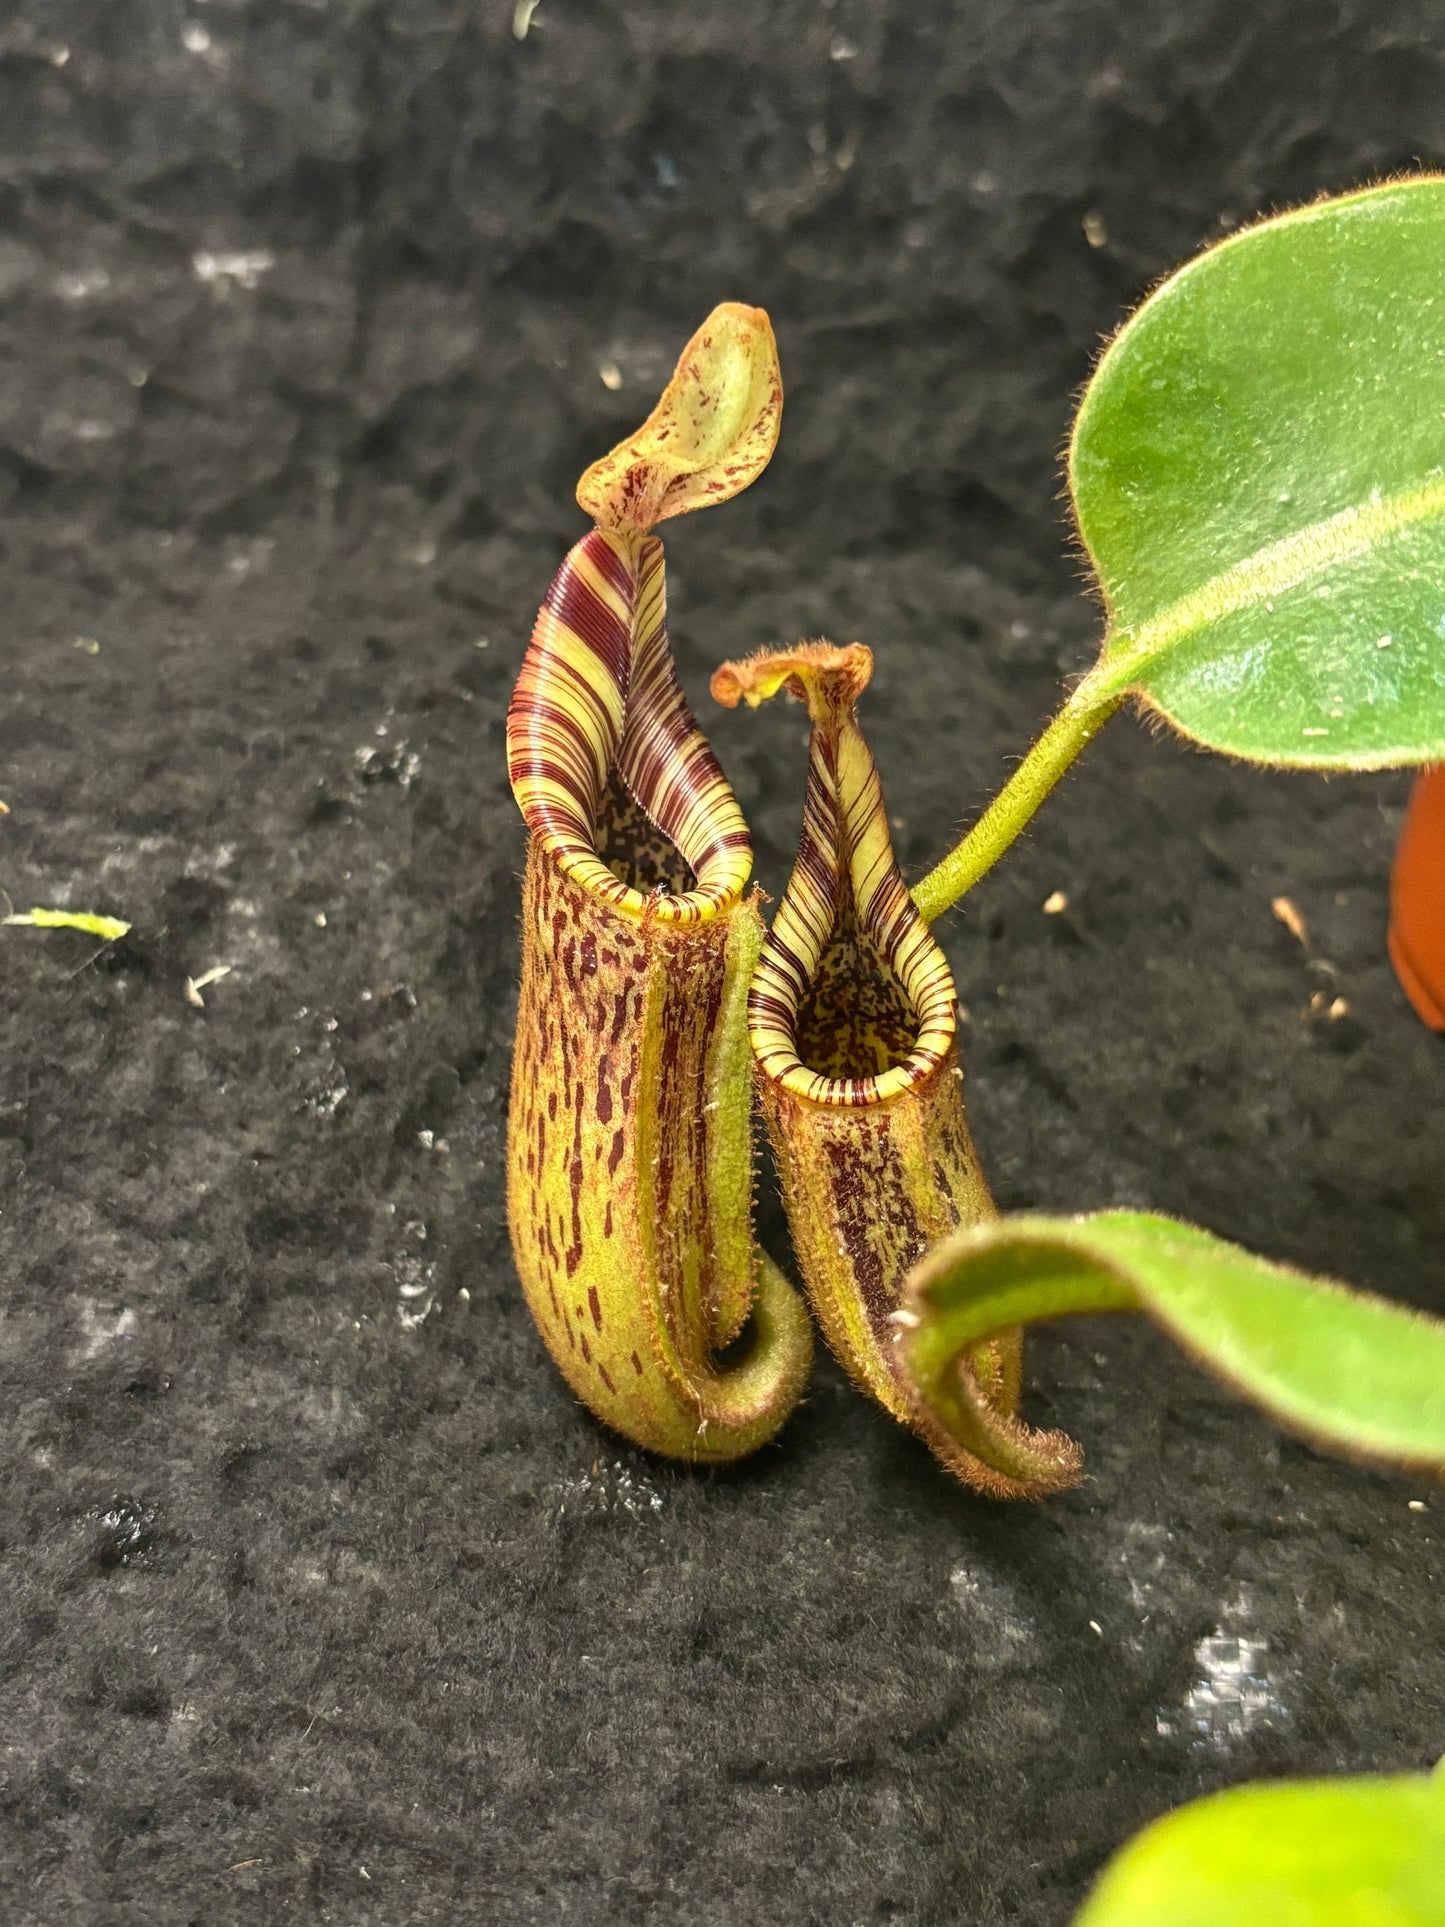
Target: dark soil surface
{"x": 321, "y": 1598}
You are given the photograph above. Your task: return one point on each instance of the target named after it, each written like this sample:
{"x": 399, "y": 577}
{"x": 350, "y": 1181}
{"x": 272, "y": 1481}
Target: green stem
{"x": 1077, "y": 723}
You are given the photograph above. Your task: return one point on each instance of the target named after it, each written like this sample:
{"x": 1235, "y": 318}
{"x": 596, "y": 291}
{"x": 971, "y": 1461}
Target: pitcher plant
{"x": 1268, "y": 533}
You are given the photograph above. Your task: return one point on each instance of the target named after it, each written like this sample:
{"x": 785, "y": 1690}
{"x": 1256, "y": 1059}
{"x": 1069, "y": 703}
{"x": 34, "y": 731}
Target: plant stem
{"x": 1076, "y": 724}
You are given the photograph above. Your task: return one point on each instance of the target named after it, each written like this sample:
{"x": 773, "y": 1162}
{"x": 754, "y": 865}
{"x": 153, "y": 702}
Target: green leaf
{"x": 1352, "y": 1372}
{"x": 1365, "y": 1852}
{"x": 1258, "y": 470}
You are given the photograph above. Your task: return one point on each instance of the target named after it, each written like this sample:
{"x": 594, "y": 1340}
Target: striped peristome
{"x": 599, "y": 692}
{"x": 843, "y": 873}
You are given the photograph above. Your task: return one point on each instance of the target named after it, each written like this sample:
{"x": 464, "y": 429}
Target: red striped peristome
{"x": 598, "y": 694}
{"x": 845, "y": 895}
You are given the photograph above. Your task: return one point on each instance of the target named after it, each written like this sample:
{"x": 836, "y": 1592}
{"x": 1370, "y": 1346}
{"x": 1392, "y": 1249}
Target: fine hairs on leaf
{"x": 1257, "y": 471}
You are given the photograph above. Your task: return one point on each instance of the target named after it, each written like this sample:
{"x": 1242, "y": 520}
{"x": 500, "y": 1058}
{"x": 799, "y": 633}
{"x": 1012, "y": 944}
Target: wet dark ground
{"x": 320, "y": 1597}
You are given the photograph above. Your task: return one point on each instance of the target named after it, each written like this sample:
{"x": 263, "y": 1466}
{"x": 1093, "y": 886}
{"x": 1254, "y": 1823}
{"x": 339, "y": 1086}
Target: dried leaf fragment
{"x": 1289, "y": 916}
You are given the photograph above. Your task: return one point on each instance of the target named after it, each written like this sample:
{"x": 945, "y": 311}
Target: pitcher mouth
{"x": 611, "y": 772}
{"x": 852, "y": 1001}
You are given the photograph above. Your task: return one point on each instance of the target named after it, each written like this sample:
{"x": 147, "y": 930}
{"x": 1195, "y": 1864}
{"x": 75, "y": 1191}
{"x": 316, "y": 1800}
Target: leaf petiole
{"x": 1090, "y": 706}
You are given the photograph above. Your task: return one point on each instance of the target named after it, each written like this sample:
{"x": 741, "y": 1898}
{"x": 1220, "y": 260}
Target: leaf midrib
{"x": 1272, "y": 571}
